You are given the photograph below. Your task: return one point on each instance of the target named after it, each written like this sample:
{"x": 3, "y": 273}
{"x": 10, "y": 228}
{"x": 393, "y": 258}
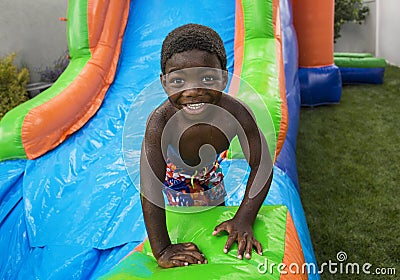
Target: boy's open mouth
{"x": 194, "y": 108}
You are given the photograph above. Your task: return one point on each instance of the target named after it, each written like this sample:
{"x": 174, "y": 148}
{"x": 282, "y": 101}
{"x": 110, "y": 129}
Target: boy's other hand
{"x": 181, "y": 254}
{"x": 243, "y": 234}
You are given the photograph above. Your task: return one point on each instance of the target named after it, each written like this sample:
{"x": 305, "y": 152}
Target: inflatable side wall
{"x": 320, "y": 80}
{"x": 42, "y": 123}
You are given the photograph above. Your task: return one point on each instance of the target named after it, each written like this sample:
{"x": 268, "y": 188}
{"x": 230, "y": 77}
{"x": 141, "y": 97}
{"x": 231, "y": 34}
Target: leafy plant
{"x": 12, "y": 84}
{"x": 50, "y": 74}
{"x": 349, "y": 11}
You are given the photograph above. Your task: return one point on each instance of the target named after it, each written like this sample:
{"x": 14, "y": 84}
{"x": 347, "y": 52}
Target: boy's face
{"x": 194, "y": 79}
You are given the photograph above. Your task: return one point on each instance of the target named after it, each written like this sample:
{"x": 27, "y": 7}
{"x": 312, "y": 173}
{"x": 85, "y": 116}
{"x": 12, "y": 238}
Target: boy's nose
{"x": 192, "y": 93}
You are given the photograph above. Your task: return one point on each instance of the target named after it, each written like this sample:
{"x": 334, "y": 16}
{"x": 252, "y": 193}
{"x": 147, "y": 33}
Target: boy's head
{"x": 190, "y": 37}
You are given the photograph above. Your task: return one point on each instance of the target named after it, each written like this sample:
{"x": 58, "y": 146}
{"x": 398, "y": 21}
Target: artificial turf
{"x": 348, "y": 158}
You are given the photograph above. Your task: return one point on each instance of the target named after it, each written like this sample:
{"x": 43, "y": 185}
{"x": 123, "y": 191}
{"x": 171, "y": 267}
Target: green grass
{"x": 349, "y": 174}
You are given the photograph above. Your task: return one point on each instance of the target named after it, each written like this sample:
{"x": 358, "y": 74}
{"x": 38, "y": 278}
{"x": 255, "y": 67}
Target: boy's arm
{"x": 256, "y": 151}
{"x": 152, "y": 174}
{"x": 152, "y": 171}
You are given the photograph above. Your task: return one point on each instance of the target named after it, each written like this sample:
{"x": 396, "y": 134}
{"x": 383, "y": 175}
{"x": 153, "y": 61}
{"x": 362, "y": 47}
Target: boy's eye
{"x": 176, "y": 81}
{"x": 208, "y": 79}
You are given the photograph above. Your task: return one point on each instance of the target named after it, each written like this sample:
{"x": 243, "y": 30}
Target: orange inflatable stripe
{"x": 238, "y": 48}
{"x": 281, "y": 78}
{"x": 139, "y": 248}
{"x": 96, "y": 20}
{"x": 49, "y": 124}
{"x": 293, "y": 258}
{"x": 314, "y": 33}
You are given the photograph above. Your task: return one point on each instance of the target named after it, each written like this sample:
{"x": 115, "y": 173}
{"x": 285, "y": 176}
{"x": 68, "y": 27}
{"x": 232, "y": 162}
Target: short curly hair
{"x": 189, "y": 37}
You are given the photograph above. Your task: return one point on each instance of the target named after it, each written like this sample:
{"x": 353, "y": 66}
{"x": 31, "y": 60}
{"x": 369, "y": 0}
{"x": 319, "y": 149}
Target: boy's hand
{"x": 181, "y": 254}
{"x": 243, "y": 234}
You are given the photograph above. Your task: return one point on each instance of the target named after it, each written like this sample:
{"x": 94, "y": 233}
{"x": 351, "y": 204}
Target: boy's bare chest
{"x": 192, "y": 139}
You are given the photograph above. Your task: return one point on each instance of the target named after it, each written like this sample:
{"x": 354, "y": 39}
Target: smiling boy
{"x": 186, "y": 138}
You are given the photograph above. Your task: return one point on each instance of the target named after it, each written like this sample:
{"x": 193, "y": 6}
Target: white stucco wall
{"x": 380, "y": 35}
{"x": 359, "y": 38}
{"x": 388, "y": 33}
{"x": 33, "y": 30}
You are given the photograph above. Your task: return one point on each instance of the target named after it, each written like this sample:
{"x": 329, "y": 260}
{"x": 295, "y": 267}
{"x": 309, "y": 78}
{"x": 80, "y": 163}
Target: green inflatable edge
{"x": 197, "y": 227}
{"x": 259, "y": 87}
{"x": 358, "y": 60}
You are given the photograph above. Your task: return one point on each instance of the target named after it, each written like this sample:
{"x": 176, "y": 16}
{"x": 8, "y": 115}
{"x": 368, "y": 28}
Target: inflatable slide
{"x": 69, "y": 171}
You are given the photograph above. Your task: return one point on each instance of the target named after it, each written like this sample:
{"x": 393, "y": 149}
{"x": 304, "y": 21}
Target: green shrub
{"x": 50, "y": 74}
{"x": 12, "y": 84}
{"x": 349, "y": 11}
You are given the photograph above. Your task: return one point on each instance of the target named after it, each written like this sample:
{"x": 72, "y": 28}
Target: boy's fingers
{"x": 242, "y": 242}
{"x": 185, "y": 258}
{"x": 258, "y": 246}
{"x": 219, "y": 228}
{"x": 197, "y": 255}
{"x": 179, "y": 263}
{"x": 193, "y": 252}
{"x": 249, "y": 248}
{"x": 190, "y": 246}
{"x": 231, "y": 239}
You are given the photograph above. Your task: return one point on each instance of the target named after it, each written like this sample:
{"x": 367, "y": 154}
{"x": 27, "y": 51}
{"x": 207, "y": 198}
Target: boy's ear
{"x": 163, "y": 81}
{"x": 225, "y": 77}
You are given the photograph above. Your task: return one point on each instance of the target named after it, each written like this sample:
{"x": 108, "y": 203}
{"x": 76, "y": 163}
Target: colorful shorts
{"x": 205, "y": 188}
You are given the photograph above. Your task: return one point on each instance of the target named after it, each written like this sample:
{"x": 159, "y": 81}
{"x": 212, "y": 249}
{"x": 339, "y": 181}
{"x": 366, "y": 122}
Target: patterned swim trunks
{"x": 205, "y": 188}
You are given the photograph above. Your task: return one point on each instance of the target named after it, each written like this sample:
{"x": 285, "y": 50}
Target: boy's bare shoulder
{"x": 160, "y": 115}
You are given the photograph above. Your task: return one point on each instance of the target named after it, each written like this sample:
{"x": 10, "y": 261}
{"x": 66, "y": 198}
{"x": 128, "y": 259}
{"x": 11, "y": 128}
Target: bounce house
{"x": 360, "y": 68}
{"x": 69, "y": 199}
{"x": 320, "y": 79}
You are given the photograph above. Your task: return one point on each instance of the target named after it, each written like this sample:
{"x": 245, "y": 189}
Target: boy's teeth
{"x": 195, "y": 106}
